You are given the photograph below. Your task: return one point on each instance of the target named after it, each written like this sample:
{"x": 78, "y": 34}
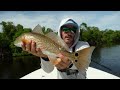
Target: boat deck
{"x": 92, "y": 73}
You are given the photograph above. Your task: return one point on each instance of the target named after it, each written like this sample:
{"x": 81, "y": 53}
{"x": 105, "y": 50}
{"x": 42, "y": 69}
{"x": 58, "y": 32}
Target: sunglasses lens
{"x": 69, "y": 30}
{"x": 66, "y": 29}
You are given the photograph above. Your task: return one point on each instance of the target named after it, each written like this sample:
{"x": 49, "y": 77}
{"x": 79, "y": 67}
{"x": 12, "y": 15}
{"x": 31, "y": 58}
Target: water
{"x": 19, "y": 67}
{"x": 106, "y": 59}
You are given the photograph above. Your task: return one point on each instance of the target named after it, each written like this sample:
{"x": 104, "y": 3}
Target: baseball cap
{"x": 72, "y": 23}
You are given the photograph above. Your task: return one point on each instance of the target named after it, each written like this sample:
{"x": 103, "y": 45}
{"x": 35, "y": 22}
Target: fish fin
{"x": 57, "y": 40}
{"x": 38, "y": 29}
{"x": 82, "y": 60}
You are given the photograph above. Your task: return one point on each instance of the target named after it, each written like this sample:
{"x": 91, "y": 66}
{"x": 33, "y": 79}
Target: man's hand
{"x": 62, "y": 62}
{"x": 31, "y": 48}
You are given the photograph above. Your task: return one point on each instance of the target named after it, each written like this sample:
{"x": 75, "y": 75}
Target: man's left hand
{"x": 62, "y": 62}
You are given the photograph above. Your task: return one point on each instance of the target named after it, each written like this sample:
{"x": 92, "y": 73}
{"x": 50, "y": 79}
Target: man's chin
{"x": 67, "y": 40}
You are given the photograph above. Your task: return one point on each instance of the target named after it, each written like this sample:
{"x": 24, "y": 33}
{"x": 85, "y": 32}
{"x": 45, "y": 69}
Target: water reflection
{"x": 19, "y": 67}
{"x": 107, "y": 59}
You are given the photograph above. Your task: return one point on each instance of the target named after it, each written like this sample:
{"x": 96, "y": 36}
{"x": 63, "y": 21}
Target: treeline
{"x": 9, "y": 34}
{"x": 97, "y": 37}
{"x": 93, "y": 35}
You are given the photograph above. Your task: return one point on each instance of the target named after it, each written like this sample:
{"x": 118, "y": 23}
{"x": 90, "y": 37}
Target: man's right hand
{"x": 31, "y": 48}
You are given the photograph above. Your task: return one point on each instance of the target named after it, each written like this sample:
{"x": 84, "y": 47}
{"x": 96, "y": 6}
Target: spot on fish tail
{"x": 76, "y": 60}
{"x": 76, "y": 54}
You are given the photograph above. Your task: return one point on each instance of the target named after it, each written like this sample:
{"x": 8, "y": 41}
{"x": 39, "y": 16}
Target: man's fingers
{"x": 33, "y": 47}
{"x": 28, "y": 46}
{"x": 23, "y": 46}
{"x": 38, "y": 50}
{"x": 60, "y": 64}
{"x": 60, "y": 55}
{"x": 64, "y": 59}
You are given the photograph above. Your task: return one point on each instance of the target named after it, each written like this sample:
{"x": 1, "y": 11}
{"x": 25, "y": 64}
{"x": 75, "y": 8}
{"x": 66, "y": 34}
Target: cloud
{"x": 27, "y": 21}
{"x": 51, "y": 19}
{"x": 110, "y": 21}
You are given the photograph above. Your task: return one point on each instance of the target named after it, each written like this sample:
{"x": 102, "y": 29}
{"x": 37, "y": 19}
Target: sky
{"x": 51, "y": 19}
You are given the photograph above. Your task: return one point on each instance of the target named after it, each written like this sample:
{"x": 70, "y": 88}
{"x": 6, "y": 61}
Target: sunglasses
{"x": 66, "y": 29}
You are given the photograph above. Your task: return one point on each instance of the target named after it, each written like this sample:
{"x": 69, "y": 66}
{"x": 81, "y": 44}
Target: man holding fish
{"x": 67, "y": 69}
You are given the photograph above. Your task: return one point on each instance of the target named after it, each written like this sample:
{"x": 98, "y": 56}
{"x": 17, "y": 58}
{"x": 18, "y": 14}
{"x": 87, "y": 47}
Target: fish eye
{"x": 60, "y": 48}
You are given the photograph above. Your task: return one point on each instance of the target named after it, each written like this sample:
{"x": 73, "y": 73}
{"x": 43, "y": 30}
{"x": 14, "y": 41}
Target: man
{"x": 69, "y": 31}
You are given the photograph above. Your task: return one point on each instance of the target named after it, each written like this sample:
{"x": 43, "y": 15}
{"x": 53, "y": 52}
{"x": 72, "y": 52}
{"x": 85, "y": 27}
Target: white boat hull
{"x": 92, "y": 73}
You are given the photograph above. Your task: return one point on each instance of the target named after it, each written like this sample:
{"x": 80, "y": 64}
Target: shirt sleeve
{"x": 46, "y": 65}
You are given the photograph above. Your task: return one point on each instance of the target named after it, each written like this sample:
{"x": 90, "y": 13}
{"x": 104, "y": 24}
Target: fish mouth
{"x": 18, "y": 44}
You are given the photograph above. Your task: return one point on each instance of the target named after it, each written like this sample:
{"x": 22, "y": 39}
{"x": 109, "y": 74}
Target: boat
{"x": 92, "y": 73}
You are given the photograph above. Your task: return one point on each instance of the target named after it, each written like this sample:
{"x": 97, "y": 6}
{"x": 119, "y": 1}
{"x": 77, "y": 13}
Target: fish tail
{"x": 82, "y": 58}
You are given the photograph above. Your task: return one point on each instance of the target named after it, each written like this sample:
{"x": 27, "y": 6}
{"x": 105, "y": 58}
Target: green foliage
{"x": 9, "y": 34}
{"x": 99, "y": 37}
{"x": 46, "y": 30}
{"x": 8, "y": 30}
{"x": 93, "y": 35}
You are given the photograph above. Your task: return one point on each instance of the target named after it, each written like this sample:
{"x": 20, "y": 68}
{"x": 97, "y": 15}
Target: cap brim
{"x": 72, "y": 24}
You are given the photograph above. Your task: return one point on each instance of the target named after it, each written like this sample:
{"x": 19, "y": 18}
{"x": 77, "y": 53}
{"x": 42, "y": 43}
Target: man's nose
{"x": 68, "y": 32}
